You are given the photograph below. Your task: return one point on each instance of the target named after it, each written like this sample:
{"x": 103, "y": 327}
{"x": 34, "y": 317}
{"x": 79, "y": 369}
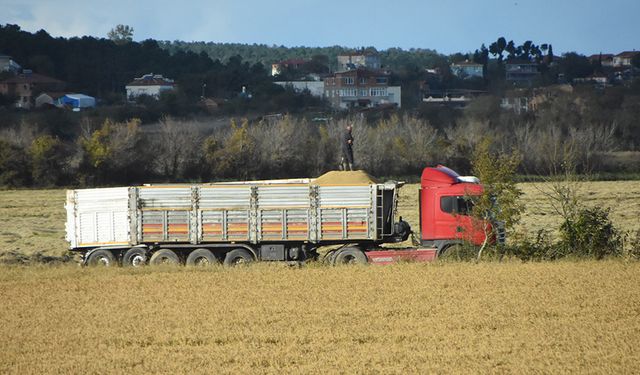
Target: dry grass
{"x": 32, "y": 221}
{"x": 562, "y": 317}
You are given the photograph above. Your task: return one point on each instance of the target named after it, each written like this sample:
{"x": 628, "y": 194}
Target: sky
{"x": 585, "y": 26}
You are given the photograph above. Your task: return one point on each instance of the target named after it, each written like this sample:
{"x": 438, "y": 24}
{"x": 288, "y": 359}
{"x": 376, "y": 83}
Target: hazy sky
{"x": 586, "y": 26}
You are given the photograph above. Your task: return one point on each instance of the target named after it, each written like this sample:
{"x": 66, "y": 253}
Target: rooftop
{"x": 151, "y": 80}
{"x": 627, "y": 54}
{"x": 31, "y": 78}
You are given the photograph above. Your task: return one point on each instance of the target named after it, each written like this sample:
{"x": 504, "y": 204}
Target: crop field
{"x": 32, "y": 221}
{"x": 560, "y": 317}
{"x": 509, "y": 317}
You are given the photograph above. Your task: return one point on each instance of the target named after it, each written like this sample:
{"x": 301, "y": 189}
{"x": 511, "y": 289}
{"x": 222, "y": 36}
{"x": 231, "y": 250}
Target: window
{"x": 348, "y": 80}
{"x": 379, "y": 91}
{"x": 456, "y": 205}
{"x": 348, "y": 92}
{"x": 381, "y": 80}
{"x": 364, "y": 92}
{"x": 363, "y": 80}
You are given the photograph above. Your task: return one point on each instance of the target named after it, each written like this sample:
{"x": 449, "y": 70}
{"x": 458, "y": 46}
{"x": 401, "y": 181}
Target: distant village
{"x": 359, "y": 82}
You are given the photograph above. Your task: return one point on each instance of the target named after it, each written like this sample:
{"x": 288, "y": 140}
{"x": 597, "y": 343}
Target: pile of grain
{"x": 345, "y": 178}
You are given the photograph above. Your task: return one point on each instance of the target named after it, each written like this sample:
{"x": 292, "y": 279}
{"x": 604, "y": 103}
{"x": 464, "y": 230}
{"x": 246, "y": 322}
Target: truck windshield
{"x": 458, "y": 205}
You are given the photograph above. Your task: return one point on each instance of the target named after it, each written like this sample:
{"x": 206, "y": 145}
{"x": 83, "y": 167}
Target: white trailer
{"x": 277, "y": 220}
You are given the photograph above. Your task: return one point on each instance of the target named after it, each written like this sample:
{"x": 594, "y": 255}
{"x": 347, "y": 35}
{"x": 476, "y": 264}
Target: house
{"x": 597, "y": 79}
{"x": 359, "y": 60}
{"x": 316, "y": 88}
{"x": 467, "y": 69}
{"x": 623, "y": 59}
{"x": 26, "y": 86}
{"x": 48, "y": 98}
{"x": 8, "y": 65}
{"x": 527, "y": 100}
{"x": 294, "y": 64}
{"x": 605, "y": 59}
{"x": 77, "y": 101}
{"x": 521, "y": 72}
{"x": 149, "y": 84}
{"x": 361, "y": 88}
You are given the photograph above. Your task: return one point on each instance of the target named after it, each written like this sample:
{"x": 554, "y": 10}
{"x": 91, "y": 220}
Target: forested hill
{"x": 393, "y": 58}
{"x": 100, "y": 67}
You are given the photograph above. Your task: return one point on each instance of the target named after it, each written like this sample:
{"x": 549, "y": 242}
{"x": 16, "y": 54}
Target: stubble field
{"x": 510, "y": 317}
{"x": 410, "y": 318}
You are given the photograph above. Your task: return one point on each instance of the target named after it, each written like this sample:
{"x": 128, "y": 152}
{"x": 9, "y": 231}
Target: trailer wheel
{"x": 202, "y": 258}
{"x": 350, "y": 255}
{"x": 102, "y": 258}
{"x": 237, "y": 257}
{"x": 134, "y": 257}
{"x": 164, "y": 256}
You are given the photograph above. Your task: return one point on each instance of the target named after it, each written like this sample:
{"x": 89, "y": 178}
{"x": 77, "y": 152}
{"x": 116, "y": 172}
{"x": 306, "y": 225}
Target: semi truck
{"x": 272, "y": 220}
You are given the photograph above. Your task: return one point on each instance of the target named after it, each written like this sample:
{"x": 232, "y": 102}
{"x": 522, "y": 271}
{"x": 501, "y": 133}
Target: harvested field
{"x": 561, "y": 317}
{"x": 32, "y": 221}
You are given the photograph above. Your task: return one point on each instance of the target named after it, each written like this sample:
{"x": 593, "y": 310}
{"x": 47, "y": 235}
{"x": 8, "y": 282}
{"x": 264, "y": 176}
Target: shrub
{"x": 539, "y": 248}
{"x": 590, "y": 233}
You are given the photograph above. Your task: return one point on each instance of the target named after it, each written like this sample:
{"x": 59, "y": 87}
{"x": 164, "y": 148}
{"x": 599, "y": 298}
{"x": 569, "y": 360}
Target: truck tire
{"x": 135, "y": 257}
{"x": 237, "y": 257}
{"x": 457, "y": 253}
{"x": 102, "y": 258}
{"x": 350, "y": 255}
{"x": 202, "y": 258}
{"x": 164, "y": 256}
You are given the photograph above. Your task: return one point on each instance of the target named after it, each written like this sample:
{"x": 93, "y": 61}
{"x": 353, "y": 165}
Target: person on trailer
{"x": 346, "y": 163}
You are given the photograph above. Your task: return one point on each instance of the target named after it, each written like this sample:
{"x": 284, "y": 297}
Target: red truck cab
{"x": 445, "y": 209}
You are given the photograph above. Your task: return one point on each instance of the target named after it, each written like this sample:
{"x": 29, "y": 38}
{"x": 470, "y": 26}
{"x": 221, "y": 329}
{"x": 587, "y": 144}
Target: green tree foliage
{"x": 14, "y": 165}
{"x": 635, "y": 61}
{"x": 590, "y": 233}
{"x": 121, "y": 34}
{"x": 115, "y": 153}
{"x": 500, "y": 199}
{"x": 574, "y": 65}
{"x": 48, "y": 161}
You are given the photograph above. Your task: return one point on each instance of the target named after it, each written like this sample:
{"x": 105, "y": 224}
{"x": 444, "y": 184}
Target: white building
{"x": 149, "y": 84}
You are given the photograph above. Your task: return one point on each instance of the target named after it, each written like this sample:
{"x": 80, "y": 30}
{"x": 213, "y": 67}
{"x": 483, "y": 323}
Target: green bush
{"x": 539, "y": 248}
{"x": 590, "y": 233}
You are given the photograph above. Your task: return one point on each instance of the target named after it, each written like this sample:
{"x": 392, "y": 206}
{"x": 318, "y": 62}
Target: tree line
{"x": 173, "y": 150}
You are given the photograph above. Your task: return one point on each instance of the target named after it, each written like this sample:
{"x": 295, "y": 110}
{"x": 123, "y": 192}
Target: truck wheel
{"x": 201, "y": 257}
{"x": 457, "y": 252}
{"x": 237, "y": 256}
{"x": 102, "y": 258}
{"x": 350, "y": 255}
{"x": 134, "y": 257}
{"x": 164, "y": 256}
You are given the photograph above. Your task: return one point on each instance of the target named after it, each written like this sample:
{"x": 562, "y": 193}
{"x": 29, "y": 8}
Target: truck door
{"x": 452, "y": 220}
